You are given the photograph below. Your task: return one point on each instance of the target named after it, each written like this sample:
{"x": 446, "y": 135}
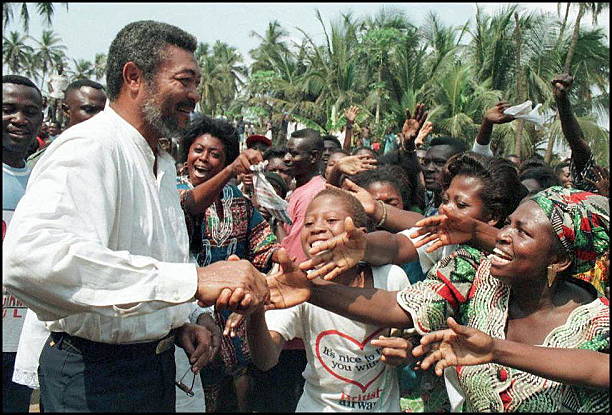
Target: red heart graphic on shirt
{"x": 361, "y": 345}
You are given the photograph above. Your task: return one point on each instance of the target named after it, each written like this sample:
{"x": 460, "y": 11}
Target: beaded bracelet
{"x": 384, "y": 216}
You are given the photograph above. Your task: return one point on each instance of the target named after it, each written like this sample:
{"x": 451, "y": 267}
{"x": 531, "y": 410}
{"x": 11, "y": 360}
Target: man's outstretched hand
{"x": 562, "y": 83}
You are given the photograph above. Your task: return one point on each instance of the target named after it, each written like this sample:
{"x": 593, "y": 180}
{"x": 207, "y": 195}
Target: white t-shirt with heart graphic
{"x": 344, "y": 372}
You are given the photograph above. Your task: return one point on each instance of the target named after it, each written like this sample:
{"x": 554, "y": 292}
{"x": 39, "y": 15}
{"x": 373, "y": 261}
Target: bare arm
{"x": 569, "y": 125}
{"x": 265, "y": 345}
{"x": 350, "y": 114}
{"x": 493, "y": 115}
{"x": 462, "y": 345}
{"x": 389, "y": 248}
{"x": 555, "y": 363}
{"x": 368, "y": 305}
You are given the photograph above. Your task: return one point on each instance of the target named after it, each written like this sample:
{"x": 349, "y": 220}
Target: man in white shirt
{"x": 21, "y": 119}
{"x": 99, "y": 247}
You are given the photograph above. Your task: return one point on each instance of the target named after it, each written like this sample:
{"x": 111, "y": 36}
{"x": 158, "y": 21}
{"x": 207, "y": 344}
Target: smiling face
{"x": 205, "y": 159}
{"x": 172, "y": 95}
{"x": 463, "y": 196}
{"x": 21, "y": 117}
{"x": 525, "y": 246}
{"x": 387, "y": 193}
{"x": 324, "y": 219}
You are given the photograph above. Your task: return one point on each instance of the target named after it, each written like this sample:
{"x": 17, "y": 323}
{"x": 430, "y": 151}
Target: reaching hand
{"x": 603, "y": 181}
{"x": 447, "y": 228}
{"x": 197, "y": 342}
{"x": 396, "y": 350}
{"x": 352, "y": 165}
{"x": 351, "y": 113}
{"x": 412, "y": 125}
{"x": 231, "y": 323}
{"x": 420, "y": 140}
{"x": 458, "y": 346}
{"x": 288, "y": 287}
{"x": 562, "y": 83}
{"x": 496, "y": 114}
{"x": 338, "y": 254}
{"x": 365, "y": 198}
{"x": 245, "y": 160}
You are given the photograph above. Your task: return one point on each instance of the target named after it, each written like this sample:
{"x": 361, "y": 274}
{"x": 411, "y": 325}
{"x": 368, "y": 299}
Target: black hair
{"x": 221, "y": 129}
{"x": 79, "y": 83}
{"x": 21, "y": 80}
{"x": 356, "y": 211}
{"x": 534, "y": 161}
{"x": 274, "y": 152}
{"x": 333, "y": 138}
{"x": 501, "y": 191}
{"x": 339, "y": 150}
{"x": 355, "y": 150}
{"x": 544, "y": 175}
{"x": 456, "y": 144}
{"x": 561, "y": 166}
{"x": 312, "y": 137}
{"x": 143, "y": 43}
{"x": 388, "y": 173}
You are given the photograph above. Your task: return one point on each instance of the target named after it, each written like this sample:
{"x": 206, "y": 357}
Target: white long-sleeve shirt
{"x": 98, "y": 246}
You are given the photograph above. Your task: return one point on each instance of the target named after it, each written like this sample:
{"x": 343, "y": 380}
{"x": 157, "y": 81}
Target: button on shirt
{"x": 98, "y": 246}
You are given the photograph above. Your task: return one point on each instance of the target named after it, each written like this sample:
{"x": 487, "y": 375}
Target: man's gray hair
{"x": 142, "y": 42}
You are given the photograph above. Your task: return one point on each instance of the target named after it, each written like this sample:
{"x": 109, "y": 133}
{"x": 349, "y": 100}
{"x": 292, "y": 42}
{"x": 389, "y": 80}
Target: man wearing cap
{"x": 258, "y": 142}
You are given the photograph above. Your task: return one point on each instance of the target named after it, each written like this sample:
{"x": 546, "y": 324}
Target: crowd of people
{"x": 340, "y": 274}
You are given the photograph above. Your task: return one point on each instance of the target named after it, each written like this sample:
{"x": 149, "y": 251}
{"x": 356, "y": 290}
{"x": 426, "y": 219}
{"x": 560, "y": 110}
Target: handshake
{"x": 237, "y": 285}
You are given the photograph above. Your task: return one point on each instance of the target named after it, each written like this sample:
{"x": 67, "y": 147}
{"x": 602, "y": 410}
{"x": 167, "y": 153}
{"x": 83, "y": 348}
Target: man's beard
{"x": 165, "y": 126}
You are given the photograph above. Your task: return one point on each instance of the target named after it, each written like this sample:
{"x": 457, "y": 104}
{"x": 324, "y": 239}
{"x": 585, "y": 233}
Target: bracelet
{"x": 384, "y": 216}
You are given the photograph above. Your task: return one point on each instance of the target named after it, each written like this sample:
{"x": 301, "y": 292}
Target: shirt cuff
{"x": 177, "y": 282}
{"x": 485, "y": 150}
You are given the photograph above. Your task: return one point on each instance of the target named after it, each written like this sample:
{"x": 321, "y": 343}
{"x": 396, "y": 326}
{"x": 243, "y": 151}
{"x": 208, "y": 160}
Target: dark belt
{"x": 84, "y": 346}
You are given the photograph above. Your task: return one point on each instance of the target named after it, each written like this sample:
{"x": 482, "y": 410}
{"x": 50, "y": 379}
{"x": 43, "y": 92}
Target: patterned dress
{"x": 231, "y": 225}
{"x": 461, "y": 286}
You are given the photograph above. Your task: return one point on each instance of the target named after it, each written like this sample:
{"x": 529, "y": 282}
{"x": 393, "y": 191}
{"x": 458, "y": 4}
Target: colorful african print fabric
{"x": 231, "y": 225}
{"x": 581, "y": 221}
{"x": 461, "y": 286}
{"x": 583, "y": 179}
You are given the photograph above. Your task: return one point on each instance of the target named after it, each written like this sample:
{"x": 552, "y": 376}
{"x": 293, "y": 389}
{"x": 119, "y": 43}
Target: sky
{"x": 89, "y": 28}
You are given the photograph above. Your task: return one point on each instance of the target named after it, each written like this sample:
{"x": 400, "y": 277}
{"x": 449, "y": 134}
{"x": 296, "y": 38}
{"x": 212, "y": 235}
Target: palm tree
{"x": 48, "y": 53}
{"x": 16, "y": 55}
{"x": 100, "y": 66}
{"x": 46, "y": 10}
{"x": 82, "y": 69}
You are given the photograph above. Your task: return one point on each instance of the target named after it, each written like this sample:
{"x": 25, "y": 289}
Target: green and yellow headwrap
{"x": 581, "y": 221}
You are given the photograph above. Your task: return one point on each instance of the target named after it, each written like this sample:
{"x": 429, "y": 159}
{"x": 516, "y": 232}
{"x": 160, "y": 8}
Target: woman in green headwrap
{"x": 537, "y": 289}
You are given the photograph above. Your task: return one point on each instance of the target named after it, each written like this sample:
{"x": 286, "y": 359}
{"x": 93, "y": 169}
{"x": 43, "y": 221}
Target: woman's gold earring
{"x": 551, "y": 274}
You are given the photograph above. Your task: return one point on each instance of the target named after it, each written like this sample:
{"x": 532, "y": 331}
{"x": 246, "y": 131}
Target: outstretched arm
{"x": 465, "y": 346}
{"x": 493, "y": 115}
{"x": 350, "y": 114}
{"x": 368, "y": 305}
{"x": 265, "y": 346}
{"x": 581, "y": 151}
